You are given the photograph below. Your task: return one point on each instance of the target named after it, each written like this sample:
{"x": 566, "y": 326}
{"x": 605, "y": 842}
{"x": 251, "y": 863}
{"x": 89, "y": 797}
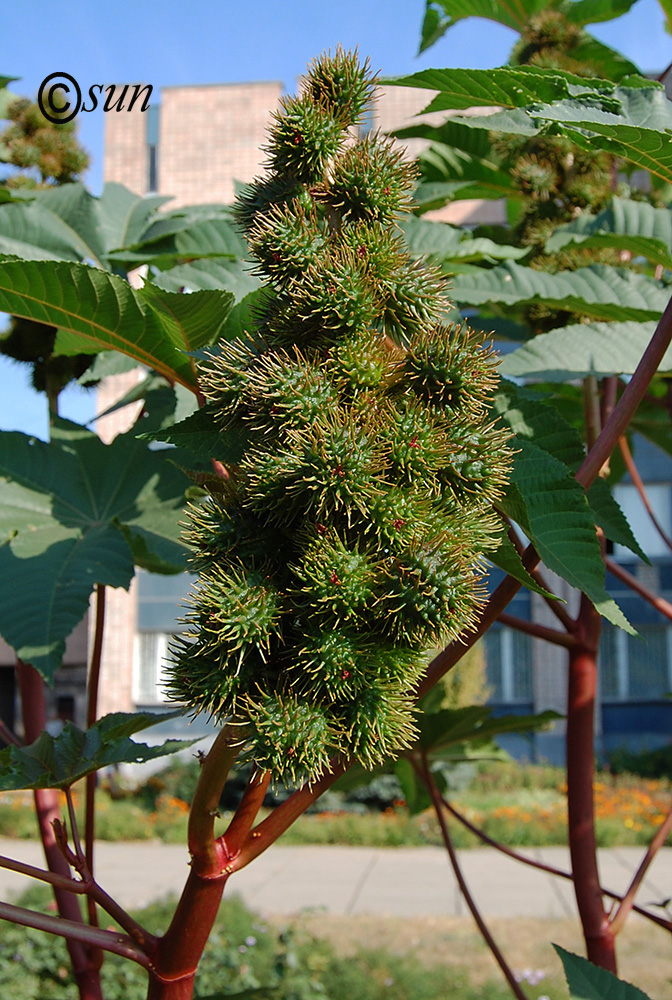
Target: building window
{"x": 633, "y": 669}
{"x": 508, "y": 656}
{"x": 151, "y": 653}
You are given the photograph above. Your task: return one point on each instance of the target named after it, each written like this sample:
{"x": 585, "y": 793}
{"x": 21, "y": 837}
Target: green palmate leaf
{"x": 632, "y": 121}
{"x": 474, "y": 724}
{"x": 59, "y": 761}
{"x": 603, "y": 60}
{"x": 124, "y": 217}
{"x": 508, "y": 87}
{"x": 96, "y": 311}
{"x": 588, "y": 982}
{"x": 506, "y": 557}
{"x": 611, "y": 518}
{"x": 595, "y": 11}
{"x": 667, "y": 11}
{"x": 583, "y": 349}
{"x": 634, "y": 226}
{"x": 74, "y": 513}
{"x": 67, "y": 222}
{"x": 544, "y": 437}
{"x": 599, "y": 292}
{"x": 440, "y": 15}
{"x": 554, "y": 513}
{"x": 445, "y": 243}
{"x": 197, "y": 434}
{"x": 530, "y": 416}
{"x": 232, "y": 276}
{"x": 414, "y": 791}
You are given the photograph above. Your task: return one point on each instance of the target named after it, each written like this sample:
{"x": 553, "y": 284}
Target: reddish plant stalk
{"x": 541, "y": 865}
{"x": 33, "y": 708}
{"x": 580, "y": 803}
{"x": 621, "y": 915}
{"x": 91, "y": 779}
{"x": 75, "y": 932}
{"x": 246, "y": 813}
{"x": 537, "y": 630}
{"x": 424, "y": 773}
{"x": 654, "y": 600}
{"x": 637, "y": 480}
{"x": 177, "y": 954}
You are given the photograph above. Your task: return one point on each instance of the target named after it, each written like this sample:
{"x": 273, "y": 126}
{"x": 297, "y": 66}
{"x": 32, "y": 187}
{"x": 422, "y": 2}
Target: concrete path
{"x": 357, "y": 880}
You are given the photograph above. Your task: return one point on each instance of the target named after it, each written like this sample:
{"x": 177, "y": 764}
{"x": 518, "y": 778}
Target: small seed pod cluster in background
{"x": 349, "y": 539}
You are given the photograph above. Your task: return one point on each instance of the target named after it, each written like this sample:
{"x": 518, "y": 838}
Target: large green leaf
{"x": 557, "y": 518}
{"x": 632, "y": 121}
{"x": 595, "y": 11}
{"x": 96, "y": 311}
{"x": 58, "y": 223}
{"x": 588, "y": 982}
{"x": 506, "y": 557}
{"x": 507, "y": 87}
{"x": 445, "y": 243}
{"x": 583, "y": 349}
{"x": 124, "y": 217}
{"x": 440, "y": 15}
{"x": 635, "y": 226}
{"x": 475, "y": 724}
{"x": 611, "y": 519}
{"x": 232, "y": 276}
{"x": 552, "y": 509}
{"x": 74, "y": 513}
{"x": 59, "y": 761}
{"x": 600, "y": 292}
{"x": 198, "y": 434}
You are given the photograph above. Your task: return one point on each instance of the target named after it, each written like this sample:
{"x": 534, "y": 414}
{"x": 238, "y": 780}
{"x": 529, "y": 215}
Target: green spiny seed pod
{"x": 342, "y": 84}
{"x": 349, "y": 540}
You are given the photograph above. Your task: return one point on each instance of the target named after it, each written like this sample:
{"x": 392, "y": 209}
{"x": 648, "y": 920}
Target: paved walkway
{"x": 356, "y": 880}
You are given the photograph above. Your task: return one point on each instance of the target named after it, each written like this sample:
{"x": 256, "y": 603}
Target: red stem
{"x": 659, "y": 603}
{"x": 637, "y": 480}
{"x": 537, "y": 630}
{"x": 580, "y": 773}
{"x": 31, "y": 687}
{"x": 91, "y": 716}
{"x": 541, "y": 865}
{"x": 177, "y": 954}
{"x": 425, "y": 774}
{"x": 246, "y": 813}
{"x": 75, "y": 932}
{"x": 8, "y": 736}
{"x": 620, "y": 916}
{"x": 627, "y": 405}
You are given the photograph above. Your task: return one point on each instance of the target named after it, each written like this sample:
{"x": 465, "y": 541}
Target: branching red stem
{"x": 620, "y": 916}
{"x": 75, "y": 931}
{"x": 425, "y": 775}
{"x": 246, "y": 813}
{"x": 657, "y": 602}
{"x": 639, "y": 485}
{"x": 31, "y": 687}
{"x": 580, "y": 774}
{"x": 541, "y": 865}
{"x": 537, "y": 630}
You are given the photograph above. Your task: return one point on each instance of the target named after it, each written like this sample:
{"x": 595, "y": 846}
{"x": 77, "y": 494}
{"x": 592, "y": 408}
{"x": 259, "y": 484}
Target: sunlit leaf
{"x": 59, "y": 761}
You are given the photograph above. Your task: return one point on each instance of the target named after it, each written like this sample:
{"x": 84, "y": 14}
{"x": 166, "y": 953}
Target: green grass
{"x": 520, "y": 806}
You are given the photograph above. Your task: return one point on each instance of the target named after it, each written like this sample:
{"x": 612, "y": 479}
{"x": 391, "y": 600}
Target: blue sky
{"x": 217, "y": 41}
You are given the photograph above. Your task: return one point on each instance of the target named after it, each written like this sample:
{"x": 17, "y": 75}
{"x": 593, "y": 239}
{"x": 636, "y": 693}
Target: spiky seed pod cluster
{"x": 349, "y": 539}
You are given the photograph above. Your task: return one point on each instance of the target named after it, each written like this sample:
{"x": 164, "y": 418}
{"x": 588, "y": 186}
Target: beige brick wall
{"x": 125, "y": 158}
{"x": 210, "y": 136}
